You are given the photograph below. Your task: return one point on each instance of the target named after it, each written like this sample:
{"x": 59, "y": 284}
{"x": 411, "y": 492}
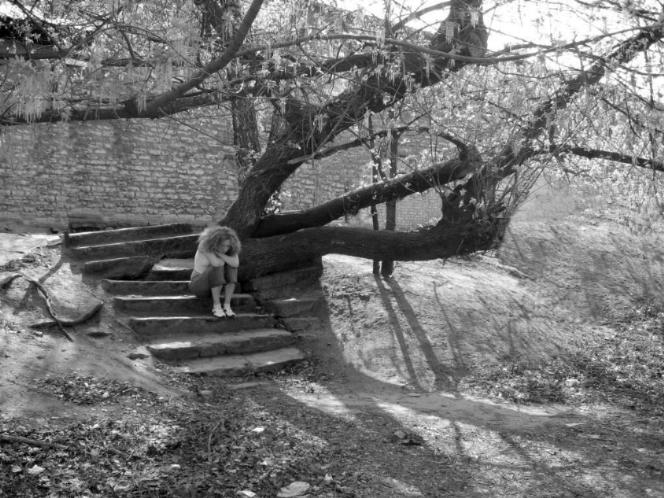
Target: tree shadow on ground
{"x": 499, "y": 449}
{"x": 471, "y": 447}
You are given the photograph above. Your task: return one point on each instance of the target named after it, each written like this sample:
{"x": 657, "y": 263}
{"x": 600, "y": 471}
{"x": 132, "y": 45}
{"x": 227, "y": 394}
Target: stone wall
{"x": 124, "y": 172}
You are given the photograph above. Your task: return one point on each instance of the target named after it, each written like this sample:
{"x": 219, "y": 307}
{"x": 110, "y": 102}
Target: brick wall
{"x": 124, "y": 172}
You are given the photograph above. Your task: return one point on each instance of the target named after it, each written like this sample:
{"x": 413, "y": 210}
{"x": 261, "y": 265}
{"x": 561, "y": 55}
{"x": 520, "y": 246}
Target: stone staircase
{"x": 147, "y": 269}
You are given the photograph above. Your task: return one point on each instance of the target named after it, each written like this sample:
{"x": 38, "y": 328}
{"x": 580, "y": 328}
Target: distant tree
{"x": 508, "y": 113}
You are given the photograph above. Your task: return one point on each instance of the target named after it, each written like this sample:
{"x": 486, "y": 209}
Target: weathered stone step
{"x": 178, "y": 305}
{"x": 172, "y": 269}
{"x": 156, "y": 326}
{"x": 207, "y": 345}
{"x": 230, "y": 365}
{"x": 294, "y": 306}
{"x": 300, "y": 324}
{"x": 176, "y": 246}
{"x": 146, "y": 287}
{"x": 120, "y": 268}
{"x": 126, "y": 234}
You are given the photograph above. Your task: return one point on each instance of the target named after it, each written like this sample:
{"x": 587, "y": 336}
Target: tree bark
{"x": 351, "y": 202}
{"x": 387, "y": 265}
{"x": 293, "y": 250}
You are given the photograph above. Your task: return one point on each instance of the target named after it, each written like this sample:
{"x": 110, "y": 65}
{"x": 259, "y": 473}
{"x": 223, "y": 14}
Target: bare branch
{"x": 231, "y": 52}
{"x": 376, "y": 193}
{"x": 642, "y": 162}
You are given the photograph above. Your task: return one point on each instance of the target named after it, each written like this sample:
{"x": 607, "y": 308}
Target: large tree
{"x": 499, "y": 116}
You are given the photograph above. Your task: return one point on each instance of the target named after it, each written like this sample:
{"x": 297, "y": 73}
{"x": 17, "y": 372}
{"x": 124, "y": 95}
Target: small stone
{"x": 36, "y": 470}
{"x": 297, "y": 488}
{"x": 245, "y": 493}
{"x": 97, "y": 334}
{"x": 138, "y": 354}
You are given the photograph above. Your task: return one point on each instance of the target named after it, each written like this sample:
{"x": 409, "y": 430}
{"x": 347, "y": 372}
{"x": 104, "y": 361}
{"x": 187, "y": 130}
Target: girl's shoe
{"x": 229, "y": 312}
{"x": 218, "y": 312}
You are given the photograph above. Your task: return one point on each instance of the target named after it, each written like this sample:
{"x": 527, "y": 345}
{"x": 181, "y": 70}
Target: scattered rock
{"x": 407, "y": 438}
{"x": 297, "y": 488}
{"x": 139, "y": 354}
{"x": 99, "y": 334}
{"x": 36, "y": 470}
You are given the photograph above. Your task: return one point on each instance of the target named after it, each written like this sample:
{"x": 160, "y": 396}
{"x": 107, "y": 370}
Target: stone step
{"x": 268, "y": 361}
{"x": 172, "y": 269}
{"x": 162, "y": 326}
{"x": 132, "y": 267}
{"x": 294, "y": 306}
{"x": 146, "y": 287}
{"x": 302, "y": 323}
{"x": 178, "y": 305}
{"x": 126, "y": 234}
{"x": 176, "y": 246}
{"x": 206, "y": 345}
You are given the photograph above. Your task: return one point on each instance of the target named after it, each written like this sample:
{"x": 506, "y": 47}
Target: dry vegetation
{"x": 536, "y": 370}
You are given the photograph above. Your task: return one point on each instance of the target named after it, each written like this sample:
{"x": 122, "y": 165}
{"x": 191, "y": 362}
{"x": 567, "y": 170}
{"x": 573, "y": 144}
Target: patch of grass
{"x": 627, "y": 369}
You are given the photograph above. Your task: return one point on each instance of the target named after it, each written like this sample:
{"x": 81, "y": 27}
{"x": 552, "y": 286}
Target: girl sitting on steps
{"x": 215, "y": 266}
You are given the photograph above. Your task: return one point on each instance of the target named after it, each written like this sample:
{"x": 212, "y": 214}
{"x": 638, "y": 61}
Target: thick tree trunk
{"x": 447, "y": 239}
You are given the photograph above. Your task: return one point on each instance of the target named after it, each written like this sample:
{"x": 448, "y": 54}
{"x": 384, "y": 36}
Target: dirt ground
{"x": 535, "y": 370}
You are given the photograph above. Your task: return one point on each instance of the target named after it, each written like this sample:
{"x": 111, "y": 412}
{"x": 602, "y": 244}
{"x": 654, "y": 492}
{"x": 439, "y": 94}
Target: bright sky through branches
{"x": 509, "y": 23}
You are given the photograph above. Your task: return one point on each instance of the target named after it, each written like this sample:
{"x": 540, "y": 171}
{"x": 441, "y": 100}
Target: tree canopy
{"x": 501, "y": 90}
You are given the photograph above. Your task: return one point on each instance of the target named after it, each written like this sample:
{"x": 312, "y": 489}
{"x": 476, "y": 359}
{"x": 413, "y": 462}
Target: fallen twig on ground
{"x": 60, "y": 322}
{"x": 6, "y": 438}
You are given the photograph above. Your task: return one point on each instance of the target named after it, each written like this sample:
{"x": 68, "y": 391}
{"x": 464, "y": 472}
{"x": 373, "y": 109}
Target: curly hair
{"x": 214, "y": 236}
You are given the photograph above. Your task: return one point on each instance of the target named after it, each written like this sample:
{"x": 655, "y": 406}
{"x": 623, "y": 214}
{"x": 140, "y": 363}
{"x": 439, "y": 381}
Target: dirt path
{"x": 402, "y": 397}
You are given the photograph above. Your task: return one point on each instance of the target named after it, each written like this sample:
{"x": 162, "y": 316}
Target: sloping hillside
{"x": 535, "y": 370}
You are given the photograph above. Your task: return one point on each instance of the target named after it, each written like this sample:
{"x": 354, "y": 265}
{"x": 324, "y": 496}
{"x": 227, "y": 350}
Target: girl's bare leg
{"x": 216, "y": 302}
{"x": 228, "y": 293}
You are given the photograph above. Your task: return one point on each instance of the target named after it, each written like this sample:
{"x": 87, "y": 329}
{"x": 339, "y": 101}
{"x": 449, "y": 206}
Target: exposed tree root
{"x": 60, "y": 322}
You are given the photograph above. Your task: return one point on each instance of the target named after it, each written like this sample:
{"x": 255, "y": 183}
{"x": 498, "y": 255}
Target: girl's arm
{"x": 231, "y": 260}
{"x": 223, "y": 259}
{"x": 214, "y": 259}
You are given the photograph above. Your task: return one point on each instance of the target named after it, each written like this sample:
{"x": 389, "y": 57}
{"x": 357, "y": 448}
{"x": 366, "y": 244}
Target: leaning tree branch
{"x": 377, "y": 193}
{"x": 618, "y": 157}
{"x": 262, "y": 256}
